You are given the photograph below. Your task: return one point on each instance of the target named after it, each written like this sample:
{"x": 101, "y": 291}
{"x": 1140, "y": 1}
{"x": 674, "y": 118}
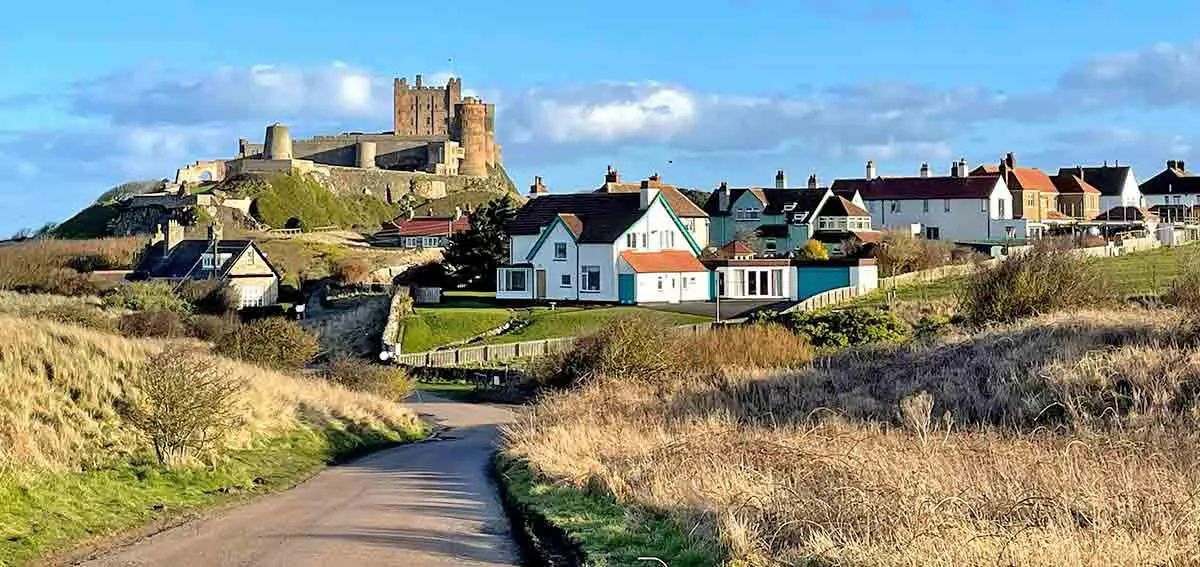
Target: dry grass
{"x": 1070, "y": 439}
{"x": 62, "y": 387}
{"x": 60, "y": 266}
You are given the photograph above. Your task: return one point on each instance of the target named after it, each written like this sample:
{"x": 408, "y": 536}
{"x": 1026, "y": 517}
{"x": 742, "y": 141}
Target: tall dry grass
{"x": 62, "y": 389}
{"x": 1066, "y": 440}
{"x": 61, "y": 266}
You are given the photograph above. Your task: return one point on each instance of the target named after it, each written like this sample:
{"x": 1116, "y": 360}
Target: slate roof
{"x": 1072, "y": 184}
{"x": 429, "y": 226}
{"x": 904, "y": 188}
{"x": 602, "y": 217}
{"x": 1171, "y": 181}
{"x": 775, "y": 201}
{"x": 663, "y": 262}
{"x": 183, "y": 261}
{"x": 680, "y": 203}
{"x": 1108, "y": 179}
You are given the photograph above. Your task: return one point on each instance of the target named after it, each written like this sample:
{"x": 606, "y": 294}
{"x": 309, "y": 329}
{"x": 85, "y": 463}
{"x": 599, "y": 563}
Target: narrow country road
{"x": 430, "y": 504}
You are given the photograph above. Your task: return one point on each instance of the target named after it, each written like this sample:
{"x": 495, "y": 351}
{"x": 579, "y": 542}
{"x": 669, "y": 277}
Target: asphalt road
{"x": 430, "y": 504}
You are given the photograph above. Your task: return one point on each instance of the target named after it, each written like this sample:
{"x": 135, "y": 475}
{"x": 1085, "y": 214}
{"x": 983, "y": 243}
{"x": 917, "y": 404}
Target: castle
{"x": 435, "y": 131}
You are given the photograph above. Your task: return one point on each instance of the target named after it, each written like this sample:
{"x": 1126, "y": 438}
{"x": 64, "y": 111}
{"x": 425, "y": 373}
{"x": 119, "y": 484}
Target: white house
{"x": 693, "y": 217}
{"x": 1175, "y": 185}
{"x": 607, "y": 247}
{"x": 1116, "y": 183}
{"x": 956, "y": 207}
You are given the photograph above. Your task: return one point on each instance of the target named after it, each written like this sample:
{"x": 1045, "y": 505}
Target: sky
{"x": 98, "y": 93}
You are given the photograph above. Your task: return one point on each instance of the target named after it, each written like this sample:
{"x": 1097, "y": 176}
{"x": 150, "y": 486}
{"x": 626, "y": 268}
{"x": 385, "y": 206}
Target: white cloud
{"x": 1163, "y": 74}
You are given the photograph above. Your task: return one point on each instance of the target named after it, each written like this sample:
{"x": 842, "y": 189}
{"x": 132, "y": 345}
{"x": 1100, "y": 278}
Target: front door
{"x": 541, "y": 284}
{"x": 627, "y": 288}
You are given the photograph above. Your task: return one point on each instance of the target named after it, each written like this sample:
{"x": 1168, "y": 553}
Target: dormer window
{"x": 789, "y": 207}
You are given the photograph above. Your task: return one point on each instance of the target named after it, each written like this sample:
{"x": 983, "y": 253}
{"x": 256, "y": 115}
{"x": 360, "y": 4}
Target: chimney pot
{"x": 780, "y": 179}
{"x": 812, "y": 181}
{"x": 925, "y": 169}
{"x": 870, "y": 169}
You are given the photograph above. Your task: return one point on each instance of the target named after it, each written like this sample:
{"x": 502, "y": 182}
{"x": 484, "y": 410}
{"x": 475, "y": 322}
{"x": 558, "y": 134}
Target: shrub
{"x": 164, "y": 324}
{"x": 901, "y": 252}
{"x": 352, "y": 270}
{"x": 847, "y": 327}
{"x": 273, "y": 342}
{"x": 1184, "y": 292}
{"x": 210, "y": 296}
{"x": 183, "y": 404}
{"x": 1046, "y": 278}
{"x": 146, "y": 296}
{"x": 636, "y": 348}
{"x": 812, "y": 250}
{"x": 210, "y": 327}
{"x": 390, "y": 382}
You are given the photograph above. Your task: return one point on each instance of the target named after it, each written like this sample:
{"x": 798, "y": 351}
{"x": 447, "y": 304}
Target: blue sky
{"x": 700, "y": 92}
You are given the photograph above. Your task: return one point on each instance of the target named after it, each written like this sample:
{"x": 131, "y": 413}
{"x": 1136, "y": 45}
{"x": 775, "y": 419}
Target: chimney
{"x": 1172, "y": 164}
{"x": 1079, "y": 171}
{"x": 418, "y": 81}
{"x": 962, "y": 167}
{"x": 925, "y": 169}
{"x": 812, "y": 182}
{"x": 954, "y": 169}
{"x": 780, "y": 180}
{"x": 648, "y": 193}
{"x": 1010, "y": 160}
{"x": 723, "y": 197}
{"x": 1181, "y": 166}
{"x": 612, "y": 176}
{"x": 655, "y": 180}
{"x": 538, "y": 188}
{"x": 174, "y": 234}
{"x": 870, "y": 169}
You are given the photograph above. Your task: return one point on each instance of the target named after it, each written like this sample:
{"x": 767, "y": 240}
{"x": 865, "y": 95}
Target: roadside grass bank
{"x": 545, "y": 323}
{"x": 1068, "y": 438}
{"x": 91, "y": 446}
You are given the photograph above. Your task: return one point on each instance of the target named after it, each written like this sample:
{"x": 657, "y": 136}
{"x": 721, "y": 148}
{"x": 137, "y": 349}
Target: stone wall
{"x": 409, "y": 152}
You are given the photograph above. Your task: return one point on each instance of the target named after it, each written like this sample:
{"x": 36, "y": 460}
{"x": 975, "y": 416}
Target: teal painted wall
{"x": 811, "y": 280}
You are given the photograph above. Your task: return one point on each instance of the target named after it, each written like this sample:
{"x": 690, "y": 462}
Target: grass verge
{"x": 574, "y": 321}
{"x": 431, "y": 327}
{"x": 607, "y": 533}
{"x": 45, "y": 513}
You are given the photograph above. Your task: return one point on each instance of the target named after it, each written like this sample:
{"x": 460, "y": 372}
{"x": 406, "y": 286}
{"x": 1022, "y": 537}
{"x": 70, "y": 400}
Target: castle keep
{"x": 435, "y": 130}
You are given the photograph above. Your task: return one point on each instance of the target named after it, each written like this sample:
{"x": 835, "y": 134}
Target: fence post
{"x": 487, "y": 352}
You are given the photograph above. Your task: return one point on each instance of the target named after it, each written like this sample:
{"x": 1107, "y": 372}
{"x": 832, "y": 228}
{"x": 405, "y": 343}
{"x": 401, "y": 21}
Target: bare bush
{"x": 183, "y": 405}
{"x": 353, "y": 270}
{"x": 901, "y": 252}
{"x": 80, "y": 316}
{"x": 163, "y": 324}
{"x": 211, "y": 327}
{"x": 632, "y": 347}
{"x": 390, "y": 382}
{"x": 273, "y": 342}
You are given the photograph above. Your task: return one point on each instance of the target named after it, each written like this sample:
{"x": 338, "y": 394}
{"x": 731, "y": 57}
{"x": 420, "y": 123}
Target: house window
{"x": 660, "y": 283}
{"x": 645, "y": 240}
{"x": 514, "y": 280}
{"x": 946, "y": 204}
{"x": 631, "y": 240}
{"x": 924, "y": 205}
{"x": 896, "y": 206}
{"x": 252, "y": 296}
{"x": 560, "y": 251}
{"x": 565, "y": 281}
{"x": 589, "y": 277}
{"x": 770, "y": 245}
{"x": 932, "y": 233}
{"x": 983, "y": 205}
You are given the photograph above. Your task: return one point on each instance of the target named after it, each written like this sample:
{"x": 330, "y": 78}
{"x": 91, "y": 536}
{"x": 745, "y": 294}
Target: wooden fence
{"x": 483, "y": 354}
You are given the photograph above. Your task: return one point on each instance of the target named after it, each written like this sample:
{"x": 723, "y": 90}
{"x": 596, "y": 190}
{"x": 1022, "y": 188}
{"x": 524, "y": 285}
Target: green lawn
{"x": 461, "y": 391}
{"x": 47, "y": 512}
{"x": 1138, "y": 273}
{"x": 574, "y": 321}
{"x": 609, "y": 533}
{"x": 432, "y": 327}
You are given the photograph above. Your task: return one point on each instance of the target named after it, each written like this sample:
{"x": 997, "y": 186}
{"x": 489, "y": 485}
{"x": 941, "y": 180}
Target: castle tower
{"x": 472, "y": 117}
{"x": 278, "y": 143}
{"x": 424, "y": 111}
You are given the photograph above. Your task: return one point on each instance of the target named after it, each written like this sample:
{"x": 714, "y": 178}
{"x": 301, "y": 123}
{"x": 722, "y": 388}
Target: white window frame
{"x": 564, "y": 280}
{"x": 508, "y": 280}
{"x": 560, "y": 247}
{"x": 584, "y": 283}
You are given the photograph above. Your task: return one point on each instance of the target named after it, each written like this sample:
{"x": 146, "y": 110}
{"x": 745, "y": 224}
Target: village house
{"x": 694, "y": 218}
{"x": 958, "y": 207}
{"x": 602, "y": 246}
{"x": 1117, "y": 185}
{"x": 1174, "y": 185}
{"x": 423, "y": 232}
{"x": 239, "y": 263}
{"x": 1077, "y": 198}
{"x": 1034, "y": 194}
{"x": 782, "y": 219}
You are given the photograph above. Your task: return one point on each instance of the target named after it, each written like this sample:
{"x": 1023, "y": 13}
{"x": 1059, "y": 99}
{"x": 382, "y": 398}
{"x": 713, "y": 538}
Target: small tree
{"x": 183, "y": 404}
{"x": 812, "y": 250}
{"x": 474, "y": 254}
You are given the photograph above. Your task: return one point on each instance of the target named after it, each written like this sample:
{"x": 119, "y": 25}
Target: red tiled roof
{"x": 430, "y": 226}
{"x": 1020, "y": 178}
{"x": 661, "y": 262}
{"x": 573, "y": 223}
{"x": 868, "y": 235}
{"x": 737, "y": 248}
{"x": 683, "y": 206}
{"x": 900, "y": 188}
{"x": 1072, "y": 184}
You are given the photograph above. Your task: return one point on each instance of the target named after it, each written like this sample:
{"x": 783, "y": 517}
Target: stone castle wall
{"x": 409, "y": 152}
